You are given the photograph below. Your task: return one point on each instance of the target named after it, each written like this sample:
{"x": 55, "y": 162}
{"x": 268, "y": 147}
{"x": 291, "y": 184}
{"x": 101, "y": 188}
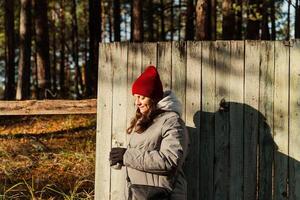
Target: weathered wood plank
{"x": 252, "y": 53}
{"x": 134, "y": 70}
{"x": 236, "y": 84}
{"x": 221, "y": 168}
{"x": 119, "y": 117}
{"x": 179, "y": 72}
{"x": 164, "y": 65}
{"x": 48, "y": 107}
{"x": 104, "y": 121}
{"x": 281, "y": 129}
{"x": 294, "y": 145}
{"x": 193, "y": 98}
{"x": 149, "y": 54}
{"x": 265, "y": 118}
{"x": 207, "y": 120}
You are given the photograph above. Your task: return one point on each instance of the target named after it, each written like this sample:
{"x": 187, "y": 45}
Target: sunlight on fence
{"x": 247, "y": 148}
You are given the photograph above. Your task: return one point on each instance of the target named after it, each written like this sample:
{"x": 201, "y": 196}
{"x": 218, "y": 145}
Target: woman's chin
{"x": 144, "y": 112}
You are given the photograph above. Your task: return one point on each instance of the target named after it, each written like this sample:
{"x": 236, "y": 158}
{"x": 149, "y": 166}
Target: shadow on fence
{"x": 233, "y": 156}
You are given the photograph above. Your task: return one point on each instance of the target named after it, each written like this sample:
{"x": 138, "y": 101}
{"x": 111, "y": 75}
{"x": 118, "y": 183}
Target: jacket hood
{"x": 169, "y": 102}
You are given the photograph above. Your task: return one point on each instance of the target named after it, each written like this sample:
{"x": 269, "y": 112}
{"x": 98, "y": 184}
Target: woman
{"x": 158, "y": 143}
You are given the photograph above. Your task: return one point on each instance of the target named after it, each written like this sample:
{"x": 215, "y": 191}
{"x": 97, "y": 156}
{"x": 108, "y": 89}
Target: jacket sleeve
{"x": 170, "y": 155}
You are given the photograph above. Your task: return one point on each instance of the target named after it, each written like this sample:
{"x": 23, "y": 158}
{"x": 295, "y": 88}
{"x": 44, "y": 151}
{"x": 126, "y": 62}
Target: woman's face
{"x": 142, "y": 103}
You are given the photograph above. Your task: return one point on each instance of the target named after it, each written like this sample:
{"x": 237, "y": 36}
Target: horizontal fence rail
{"x": 48, "y": 107}
{"x": 241, "y": 104}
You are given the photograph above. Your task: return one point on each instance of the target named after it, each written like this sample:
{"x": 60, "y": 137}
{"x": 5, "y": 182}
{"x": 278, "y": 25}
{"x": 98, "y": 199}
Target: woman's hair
{"x": 141, "y": 122}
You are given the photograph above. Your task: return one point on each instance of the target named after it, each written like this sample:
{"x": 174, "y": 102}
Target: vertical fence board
{"x": 294, "y": 162}
{"x": 134, "y": 70}
{"x": 165, "y": 64}
{"x": 119, "y": 65}
{"x": 266, "y": 142}
{"x": 193, "y": 98}
{"x": 236, "y": 120}
{"x": 221, "y": 168}
{"x": 104, "y": 113}
{"x": 207, "y": 121}
{"x": 251, "y": 92}
{"x": 281, "y": 119}
{"x": 179, "y": 72}
{"x": 149, "y": 54}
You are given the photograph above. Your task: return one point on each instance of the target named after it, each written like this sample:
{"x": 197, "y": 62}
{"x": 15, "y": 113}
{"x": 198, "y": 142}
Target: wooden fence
{"x": 247, "y": 148}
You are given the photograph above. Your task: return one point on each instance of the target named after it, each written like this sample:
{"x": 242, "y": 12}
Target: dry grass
{"x": 50, "y": 166}
{"x": 14, "y": 125}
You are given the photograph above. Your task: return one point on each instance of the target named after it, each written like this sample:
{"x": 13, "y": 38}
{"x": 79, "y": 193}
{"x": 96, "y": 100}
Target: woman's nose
{"x": 137, "y": 102}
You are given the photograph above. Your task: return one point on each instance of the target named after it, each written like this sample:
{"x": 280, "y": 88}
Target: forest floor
{"x": 47, "y": 157}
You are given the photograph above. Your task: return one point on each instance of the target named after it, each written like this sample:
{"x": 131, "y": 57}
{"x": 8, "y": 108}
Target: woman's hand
{"x": 116, "y": 155}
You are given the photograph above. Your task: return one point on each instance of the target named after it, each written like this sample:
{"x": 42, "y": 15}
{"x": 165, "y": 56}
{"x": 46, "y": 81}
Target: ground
{"x": 47, "y": 157}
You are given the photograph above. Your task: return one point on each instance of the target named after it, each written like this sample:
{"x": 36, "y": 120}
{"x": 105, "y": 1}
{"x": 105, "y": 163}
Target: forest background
{"x": 49, "y": 49}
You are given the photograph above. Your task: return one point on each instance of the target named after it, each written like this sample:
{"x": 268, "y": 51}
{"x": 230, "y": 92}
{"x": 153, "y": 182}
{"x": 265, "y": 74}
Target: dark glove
{"x": 116, "y": 155}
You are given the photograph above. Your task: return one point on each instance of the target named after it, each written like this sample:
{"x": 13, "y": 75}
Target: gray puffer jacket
{"x": 153, "y": 156}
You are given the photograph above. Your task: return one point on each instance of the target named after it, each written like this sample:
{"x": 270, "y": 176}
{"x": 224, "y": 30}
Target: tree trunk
{"x": 23, "y": 86}
{"x": 253, "y": 21}
{"x": 189, "y": 24}
{"x": 62, "y": 50}
{"x": 179, "y": 20}
{"x": 117, "y": 20}
{"x": 54, "y": 60}
{"x": 42, "y": 47}
{"x": 297, "y": 20}
{"x": 288, "y": 21}
{"x": 95, "y": 38}
{"x": 34, "y": 93}
{"x": 137, "y": 21}
{"x": 75, "y": 51}
{"x": 265, "y": 32}
{"x": 85, "y": 53}
{"x": 203, "y": 31}
{"x": 239, "y": 20}
{"x": 68, "y": 79}
{"x": 213, "y": 19}
{"x": 9, "y": 92}
{"x": 273, "y": 36}
{"x": 162, "y": 21}
{"x": 228, "y": 20}
{"x": 110, "y": 21}
{"x": 172, "y": 20}
{"x": 150, "y": 21}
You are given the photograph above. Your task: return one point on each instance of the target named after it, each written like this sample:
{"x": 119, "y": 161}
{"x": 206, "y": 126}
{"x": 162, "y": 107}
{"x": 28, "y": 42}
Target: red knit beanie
{"x": 148, "y": 84}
